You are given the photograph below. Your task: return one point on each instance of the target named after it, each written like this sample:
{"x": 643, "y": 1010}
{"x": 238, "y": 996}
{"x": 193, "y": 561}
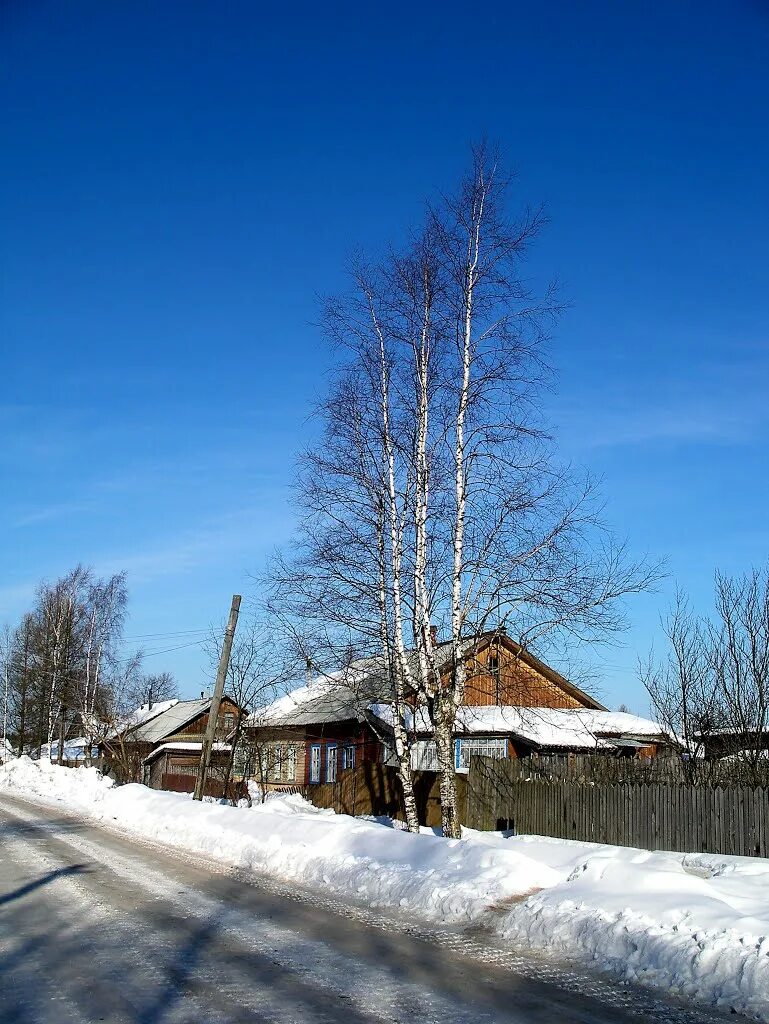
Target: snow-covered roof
{"x": 573, "y": 728}
{"x": 354, "y": 692}
{"x": 193, "y": 747}
{"x": 747, "y": 755}
{"x": 139, "y": 716}
{"x": 149, "y": 711}
{"x": 173, "y": 717}
{"x": 73, "y": 749}
{"x": 336, "y": 697}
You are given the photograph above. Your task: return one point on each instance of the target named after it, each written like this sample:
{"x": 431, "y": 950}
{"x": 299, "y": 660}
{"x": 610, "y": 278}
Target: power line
{"x": 162, "y": 636}
{"x": 64, "y": 677}
{"x": 151, "y": 654}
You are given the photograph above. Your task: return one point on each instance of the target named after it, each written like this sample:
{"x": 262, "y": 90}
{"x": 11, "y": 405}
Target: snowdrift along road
{"x": 695, "y": 924}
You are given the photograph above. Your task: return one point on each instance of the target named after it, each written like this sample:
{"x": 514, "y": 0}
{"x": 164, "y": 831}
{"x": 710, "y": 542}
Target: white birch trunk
{"x": 454, "y": 695}
{"x": 401, "y": 676}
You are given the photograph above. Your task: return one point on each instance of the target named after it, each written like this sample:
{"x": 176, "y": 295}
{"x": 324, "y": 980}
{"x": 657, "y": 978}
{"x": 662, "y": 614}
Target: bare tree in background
{"x": 682, "y": 685}
{"x": 150, "y": 688}
{"x": 739, "y": 643}
{"x": 66, "y": 673}
{"x": 118, "y": 715}
{"x": 105, "y": 613}
{"x": 715, "y": 675}
{"x": 258, "y": 666}
{"x": 22, "y": 710}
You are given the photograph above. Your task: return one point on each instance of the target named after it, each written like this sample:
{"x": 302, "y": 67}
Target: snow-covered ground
{"x": 697, "y": 924}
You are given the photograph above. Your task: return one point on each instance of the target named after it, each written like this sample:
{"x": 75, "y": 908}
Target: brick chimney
{"x": 434, "y": 635}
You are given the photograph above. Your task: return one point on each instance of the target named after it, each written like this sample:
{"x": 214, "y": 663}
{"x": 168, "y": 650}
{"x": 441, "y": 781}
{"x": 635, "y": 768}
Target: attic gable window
{"x": 493, "y": 667}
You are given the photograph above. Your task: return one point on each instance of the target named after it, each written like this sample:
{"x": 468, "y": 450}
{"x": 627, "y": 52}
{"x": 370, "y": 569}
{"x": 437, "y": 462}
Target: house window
{"x": 483, "y": 746}
{"x": 229, "y": 722}
{"x": 348, "y": 756}
{"x": 291, "y": 764}
{"x": 242, "y": 758}
{"x": 315, "y": 762}
{"x": 331, "y": 762}
{"x": 424, "y": 756}
{"x": 277, "y": 763}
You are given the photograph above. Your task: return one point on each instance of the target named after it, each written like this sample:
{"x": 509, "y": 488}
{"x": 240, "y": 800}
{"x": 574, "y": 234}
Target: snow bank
{"x": 82, "y": 788}
{"x": 696, "y": 924}
{"x": 693, "y": 924}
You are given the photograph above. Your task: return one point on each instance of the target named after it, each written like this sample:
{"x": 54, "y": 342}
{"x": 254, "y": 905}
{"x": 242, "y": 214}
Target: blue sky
{"x": 183, "y": 181}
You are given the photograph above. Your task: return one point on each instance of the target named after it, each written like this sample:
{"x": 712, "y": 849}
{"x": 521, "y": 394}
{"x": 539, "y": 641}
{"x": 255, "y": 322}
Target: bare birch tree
{"x": 434, "y": 497}
{"x": 105, "y": 612}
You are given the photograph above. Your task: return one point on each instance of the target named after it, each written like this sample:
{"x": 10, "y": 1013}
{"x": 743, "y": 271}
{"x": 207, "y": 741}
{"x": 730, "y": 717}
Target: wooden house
{"x": 161, "y": 744}
{"x": 514, "y": 704}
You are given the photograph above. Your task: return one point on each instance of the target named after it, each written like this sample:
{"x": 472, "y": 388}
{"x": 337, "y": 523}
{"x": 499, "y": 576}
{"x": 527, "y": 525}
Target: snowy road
{"x": 95, "y": 926}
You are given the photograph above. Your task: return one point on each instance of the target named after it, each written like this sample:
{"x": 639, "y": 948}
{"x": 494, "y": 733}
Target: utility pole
{"x": 213, "y": 714}
{"x": 4, "y": 751}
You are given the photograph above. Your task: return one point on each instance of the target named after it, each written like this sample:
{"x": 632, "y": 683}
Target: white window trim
{"x": 424, "y": 755}
{"x": 484, "y": 746}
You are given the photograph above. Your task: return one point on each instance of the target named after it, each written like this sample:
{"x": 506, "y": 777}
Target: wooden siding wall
{"x": 198, "y": 726}
{"x": 514, "y": 683}
{"x": 374, "y": 789}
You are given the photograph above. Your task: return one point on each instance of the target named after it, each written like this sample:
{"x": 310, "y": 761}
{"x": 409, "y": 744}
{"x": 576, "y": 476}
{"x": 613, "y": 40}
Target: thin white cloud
{"x": 658, "y": 424}
{"x": 46, "y": 514}
{"x": 232, "y": 534}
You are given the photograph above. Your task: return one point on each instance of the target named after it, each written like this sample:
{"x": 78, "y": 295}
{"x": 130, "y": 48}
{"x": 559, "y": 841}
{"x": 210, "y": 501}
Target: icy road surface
{"x": 95, "y": 926}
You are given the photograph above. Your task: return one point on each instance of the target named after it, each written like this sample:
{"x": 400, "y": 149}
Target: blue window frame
{"x": 315, "y": 762}
{"x": 331, "y": 762}
{"x": 348, "y": 756}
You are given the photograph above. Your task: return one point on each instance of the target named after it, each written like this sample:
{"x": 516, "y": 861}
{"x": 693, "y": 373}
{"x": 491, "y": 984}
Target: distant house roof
{"x": 74, "y": 750}
{"x": 169, "y": 721}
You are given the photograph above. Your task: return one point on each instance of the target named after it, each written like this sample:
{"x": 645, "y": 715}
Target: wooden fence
{"x": 651, "y": 815}
{"x": 569, "y": 799}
